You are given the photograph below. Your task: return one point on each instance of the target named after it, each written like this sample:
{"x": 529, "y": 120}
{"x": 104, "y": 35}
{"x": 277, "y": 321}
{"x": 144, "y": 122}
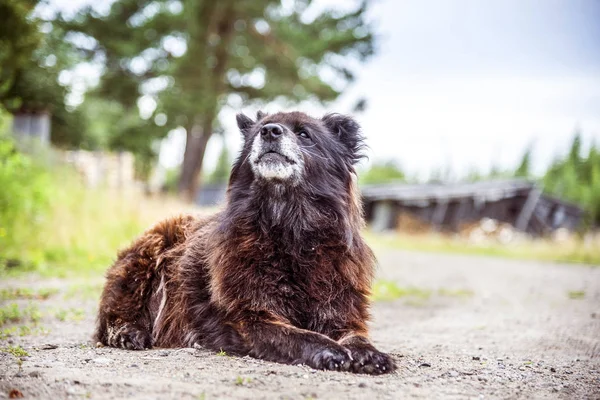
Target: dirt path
{"x": 473, "y": 328}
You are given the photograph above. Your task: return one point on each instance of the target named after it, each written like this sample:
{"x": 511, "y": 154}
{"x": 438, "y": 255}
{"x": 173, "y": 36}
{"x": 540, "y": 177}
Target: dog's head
{"x": 293, "y": 148}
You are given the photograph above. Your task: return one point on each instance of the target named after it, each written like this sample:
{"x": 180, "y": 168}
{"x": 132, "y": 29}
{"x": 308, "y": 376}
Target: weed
{"x": 222, "y": 353}
{"x": 16, "y": 351}
{"x": 241, "y": 381}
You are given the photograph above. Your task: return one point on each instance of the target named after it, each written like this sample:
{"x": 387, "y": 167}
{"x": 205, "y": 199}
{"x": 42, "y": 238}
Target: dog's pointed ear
{"x": 260, "y": 115}
{"x": 347, "y": 131}
{"x": 244, "y": 123}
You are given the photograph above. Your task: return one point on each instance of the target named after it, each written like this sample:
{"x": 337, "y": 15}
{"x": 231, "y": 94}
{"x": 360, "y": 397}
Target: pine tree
{"x": 523, "y": 170}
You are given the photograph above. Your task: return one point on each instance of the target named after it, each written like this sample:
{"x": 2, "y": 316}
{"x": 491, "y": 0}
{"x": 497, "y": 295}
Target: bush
{"x": 25, "y": 193}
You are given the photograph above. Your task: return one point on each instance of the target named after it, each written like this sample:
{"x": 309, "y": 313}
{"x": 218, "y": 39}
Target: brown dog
{"x": 281, "y": 274}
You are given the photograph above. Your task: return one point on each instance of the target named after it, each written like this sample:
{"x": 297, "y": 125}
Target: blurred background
{"x": 482, "y": 118}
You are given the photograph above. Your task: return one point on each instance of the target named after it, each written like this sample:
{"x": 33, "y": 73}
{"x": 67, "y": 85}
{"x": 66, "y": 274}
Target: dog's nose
{"x": 271, "y": 131}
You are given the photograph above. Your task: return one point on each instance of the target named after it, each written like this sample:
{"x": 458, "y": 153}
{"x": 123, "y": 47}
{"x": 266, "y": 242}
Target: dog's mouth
{"x": 272, "y": 156}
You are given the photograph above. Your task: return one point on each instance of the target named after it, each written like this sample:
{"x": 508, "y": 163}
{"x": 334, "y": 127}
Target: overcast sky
{"x": 471, "y": 83}
{"x": 467, "y": 83}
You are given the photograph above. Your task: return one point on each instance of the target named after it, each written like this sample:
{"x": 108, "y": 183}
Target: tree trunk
{"x": 195, "y": 146}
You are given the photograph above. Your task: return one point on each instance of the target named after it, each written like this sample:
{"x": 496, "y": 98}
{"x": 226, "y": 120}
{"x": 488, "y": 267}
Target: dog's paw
{"x": 368, "y": 360}
{"x": 130, "y": 337}
{"x": 331, "y": 359}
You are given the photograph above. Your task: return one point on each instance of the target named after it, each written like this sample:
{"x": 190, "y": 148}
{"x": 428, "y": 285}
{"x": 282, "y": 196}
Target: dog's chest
{"x": 294, "y": 286}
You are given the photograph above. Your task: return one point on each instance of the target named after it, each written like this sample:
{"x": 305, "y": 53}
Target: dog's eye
{"x": 304, "y": 134}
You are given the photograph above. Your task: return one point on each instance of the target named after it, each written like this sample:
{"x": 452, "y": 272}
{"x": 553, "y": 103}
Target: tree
{"x": 19, "y": 37}
{"x": 259, "y": 50}
{"x": 524, "y": 168}
{"x": 29, "y": 74}
{"x": 383, "y": 172}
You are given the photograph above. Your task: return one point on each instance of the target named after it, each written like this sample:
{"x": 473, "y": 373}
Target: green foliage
{"x": 19, "y": 37}
{"x": 383, "y": 172}
{"x": 524, "y": 168}
{"x": 16, "y": 351}
{"x": 24, "y": 200}
{"x": 259, "y": 50}
{"x": 577, "y": 178}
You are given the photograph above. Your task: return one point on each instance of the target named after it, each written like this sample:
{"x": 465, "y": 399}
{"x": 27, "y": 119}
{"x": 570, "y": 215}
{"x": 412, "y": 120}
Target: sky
{"x": 470, "y": 84}
{"x": 464, "y": 84}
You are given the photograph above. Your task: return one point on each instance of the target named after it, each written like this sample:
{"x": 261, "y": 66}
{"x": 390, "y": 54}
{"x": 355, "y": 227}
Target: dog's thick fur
{"x": 281, "y": 274}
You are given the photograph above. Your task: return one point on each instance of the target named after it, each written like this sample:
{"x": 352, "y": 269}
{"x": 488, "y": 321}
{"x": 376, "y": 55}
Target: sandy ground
{"x": 491, "y": 328}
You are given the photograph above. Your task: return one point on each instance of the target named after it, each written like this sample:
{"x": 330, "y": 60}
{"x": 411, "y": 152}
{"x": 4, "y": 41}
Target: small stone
{"x": 133, "y": 366}
{"x": 552, "y": 369}
{"x": 163, "y": 353}
{"x": 476, "y": 358}
{"x": 49, "y": 346}
{"x": 99, "y": 345}
{"x": 454, "y": 374}
{"x": 102, "y": 360}
{"x": 425, "y": 365}
{"x": 35, "y": 374}
{"x": 362, "y": 385}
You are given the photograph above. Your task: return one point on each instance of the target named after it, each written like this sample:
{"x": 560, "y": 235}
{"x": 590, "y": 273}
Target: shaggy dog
{"x": 281, "y": 274}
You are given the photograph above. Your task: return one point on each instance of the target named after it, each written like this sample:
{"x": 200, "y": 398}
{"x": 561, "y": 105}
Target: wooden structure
{"x": 446, "y": 207}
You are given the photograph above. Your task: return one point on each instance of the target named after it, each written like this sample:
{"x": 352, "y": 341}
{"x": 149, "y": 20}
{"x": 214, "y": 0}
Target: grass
{"x": 69, "y": 314}
{"x": 27, "y": 316}
{"x": 386, "y": 290}
{"x": 241, "y": 381}
{"x": 24, "y": 293}
{"x": 12, "y": 313}
{"x": 16, "y": 351}
{"x": 576, "y": 294}
{"x": 22, "y": 330}
{"x": 83, "y": 230}
{"x": 571, "y": 251}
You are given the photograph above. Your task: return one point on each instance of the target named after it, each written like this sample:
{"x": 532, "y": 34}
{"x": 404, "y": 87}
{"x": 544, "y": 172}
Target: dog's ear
{"x": 245, "y": 124}
{"x": 260, "y": 115}
{"x": 347, "y": 131}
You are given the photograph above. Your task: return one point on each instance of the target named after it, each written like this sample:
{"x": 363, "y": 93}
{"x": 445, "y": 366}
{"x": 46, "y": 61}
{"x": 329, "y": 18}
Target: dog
{"x": 281, "y": 273}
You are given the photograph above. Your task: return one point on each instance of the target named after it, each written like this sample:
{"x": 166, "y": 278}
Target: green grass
{"x": 69, "y": 314}
{"x": 84, "y": 291}
{"x": 572, "y": 251}
{"x": 82, "y": 230}
{"x": 12, "y": 313}
{"x": 25, "y": 293}
{"x": 16, "y": 351}
{"x": 576, "y": 294}
{"x": 384, "y": 290}
{"x": 241, "y": 381}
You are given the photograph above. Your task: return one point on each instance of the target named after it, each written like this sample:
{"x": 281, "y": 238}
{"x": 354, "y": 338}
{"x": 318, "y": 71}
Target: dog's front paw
{"x": 332, "y": 359}
{"x": 130, "y": 337}
{"x": 368, "y": 360}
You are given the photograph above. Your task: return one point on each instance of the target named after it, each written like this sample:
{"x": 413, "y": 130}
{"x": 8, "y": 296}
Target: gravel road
{"x": 474, "y": 327}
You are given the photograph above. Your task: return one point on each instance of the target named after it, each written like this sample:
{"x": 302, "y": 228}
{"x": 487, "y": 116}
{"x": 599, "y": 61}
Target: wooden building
{"x": 446, "y": 207}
